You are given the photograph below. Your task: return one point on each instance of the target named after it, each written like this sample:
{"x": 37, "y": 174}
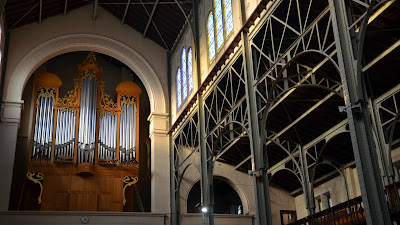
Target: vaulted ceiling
{"x": 158, "y": 20}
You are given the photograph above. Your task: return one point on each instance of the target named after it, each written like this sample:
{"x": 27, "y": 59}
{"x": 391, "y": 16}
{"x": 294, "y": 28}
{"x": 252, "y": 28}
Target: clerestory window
{"x": 219, "y": 26}
{"x": 184, "y": 77}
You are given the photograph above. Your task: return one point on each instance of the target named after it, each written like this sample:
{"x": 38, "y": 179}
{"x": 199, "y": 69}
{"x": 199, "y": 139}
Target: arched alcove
{"x": 17, "y": 77}
{"x": 226, "y": 199}
{"x": 114, "y": 73}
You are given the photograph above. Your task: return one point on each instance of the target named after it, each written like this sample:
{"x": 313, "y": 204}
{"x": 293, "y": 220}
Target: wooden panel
{"x": 105, "y": 201}
{"x": 117, "y": 193}
{"x": 77, "y": 183}
{"x": 81, "y": 201}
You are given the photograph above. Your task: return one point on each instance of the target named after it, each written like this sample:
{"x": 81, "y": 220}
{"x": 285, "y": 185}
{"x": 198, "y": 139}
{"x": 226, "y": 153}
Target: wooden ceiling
{"x": 158, "y": 20}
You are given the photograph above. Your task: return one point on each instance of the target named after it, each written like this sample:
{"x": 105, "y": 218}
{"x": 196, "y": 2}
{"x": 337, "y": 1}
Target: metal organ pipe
{"x": 43, "y": 129}
{"x": 128, "y": 133}
{"x": 87, "y": 120}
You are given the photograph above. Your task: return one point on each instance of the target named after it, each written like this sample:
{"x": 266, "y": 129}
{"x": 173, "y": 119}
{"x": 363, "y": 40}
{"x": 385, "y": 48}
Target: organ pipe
{"x": 85, "y": 126}
{"x": 43, "y": 129}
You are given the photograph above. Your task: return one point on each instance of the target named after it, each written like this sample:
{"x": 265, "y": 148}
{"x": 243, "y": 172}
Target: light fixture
{"x": 204, "y": 209}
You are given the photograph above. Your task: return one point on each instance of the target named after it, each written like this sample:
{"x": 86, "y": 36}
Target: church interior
{"x": 200, "y": 112}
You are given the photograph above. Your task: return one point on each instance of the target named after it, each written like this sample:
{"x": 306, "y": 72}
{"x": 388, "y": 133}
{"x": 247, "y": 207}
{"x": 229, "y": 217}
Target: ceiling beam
{"x": 150, "y": 18}
{"x": 65, "y": 7}
{"x": 40, "y": 10}
{"x": 382, "y": 55}
{"x": 95, "y": 3}
{"x": 126, "y": 11}
{"x": 162, "y": 39}
{"x": 144, "y": 3}
{"x": 24, "y": 15}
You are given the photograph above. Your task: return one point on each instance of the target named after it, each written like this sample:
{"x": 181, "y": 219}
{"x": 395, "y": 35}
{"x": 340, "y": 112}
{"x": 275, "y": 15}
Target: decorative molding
{"x": 11, "y": 111}
{"x": 128, "y": 181}
{"x": 15, "y": 80}
{"x": 38, "y": 179}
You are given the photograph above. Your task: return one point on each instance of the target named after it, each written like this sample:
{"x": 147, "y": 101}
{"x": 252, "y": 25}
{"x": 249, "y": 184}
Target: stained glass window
{"x": 178, "y": 88}
{"x": 184, "y": 77}
{"x": 211, "y": 40}
{"x": 219, "y": 22}
{"x": 228, "y": 16}
{"x": 190, "y": 70}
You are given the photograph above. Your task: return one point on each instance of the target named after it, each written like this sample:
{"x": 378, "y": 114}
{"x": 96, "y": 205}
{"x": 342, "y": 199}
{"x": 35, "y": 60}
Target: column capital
{"x": 11, "y": 111}
{"x": 158, "y": 124}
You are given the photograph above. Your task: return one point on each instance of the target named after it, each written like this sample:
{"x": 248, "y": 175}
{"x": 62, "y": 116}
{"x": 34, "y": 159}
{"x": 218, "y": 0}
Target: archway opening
{"x": 114, "y": 72}
{"x": 226, "y": 199}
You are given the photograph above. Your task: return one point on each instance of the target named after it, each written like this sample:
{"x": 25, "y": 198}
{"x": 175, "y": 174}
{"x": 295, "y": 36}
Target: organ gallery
{"x": 84, "y": 150}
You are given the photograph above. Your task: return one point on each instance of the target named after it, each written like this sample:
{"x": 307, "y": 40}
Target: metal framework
{"x": 265, "y": 70}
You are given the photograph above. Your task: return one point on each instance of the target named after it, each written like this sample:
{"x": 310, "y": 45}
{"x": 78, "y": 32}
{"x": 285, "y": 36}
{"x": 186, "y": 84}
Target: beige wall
{"x": 335, "y": 187}
{"x": 280, "y": 200}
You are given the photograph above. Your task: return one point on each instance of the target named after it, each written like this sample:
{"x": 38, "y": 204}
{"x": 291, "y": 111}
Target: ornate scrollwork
{"x": 103, "y": 113}
{"x": 89, "y": 74}
{"x": 128, "y": 181}
{"x": 46, "y": 93}
{"x": 90, "y": 60}
{"x": 105, "y": 101}
{"x": 128, "y": 100}
{"x": 37, "y": 178}
{"x": 64, "y": 109}
{"x": 72, "y": 96}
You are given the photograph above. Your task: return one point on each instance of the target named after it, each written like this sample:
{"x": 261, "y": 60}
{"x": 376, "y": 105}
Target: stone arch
{"x": 16, "y": 79}
{"x": 236, "y": 187}
{"x": 239, "y": 191}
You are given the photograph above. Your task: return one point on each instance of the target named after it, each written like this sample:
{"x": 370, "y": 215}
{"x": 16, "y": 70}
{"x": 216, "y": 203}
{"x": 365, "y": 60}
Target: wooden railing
{"x": 393, "y": 197}
{"x": 347, "y": 213}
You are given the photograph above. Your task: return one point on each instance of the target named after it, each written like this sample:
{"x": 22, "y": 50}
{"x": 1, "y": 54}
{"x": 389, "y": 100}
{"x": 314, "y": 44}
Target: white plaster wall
{"x": 25, "y": 39}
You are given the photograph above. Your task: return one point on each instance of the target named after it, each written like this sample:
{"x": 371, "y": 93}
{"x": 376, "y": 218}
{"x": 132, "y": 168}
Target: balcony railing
{"x": 352, "y": 212}
{"x": 392, "y": 192}
{"x": 346, "y": 213}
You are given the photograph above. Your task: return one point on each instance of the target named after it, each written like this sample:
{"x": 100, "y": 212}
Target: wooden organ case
{"x": 83, "y": 149}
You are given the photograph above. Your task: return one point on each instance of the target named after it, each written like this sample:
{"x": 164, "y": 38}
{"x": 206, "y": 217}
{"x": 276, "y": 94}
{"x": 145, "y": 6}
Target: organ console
{"x": 84, "y": 144}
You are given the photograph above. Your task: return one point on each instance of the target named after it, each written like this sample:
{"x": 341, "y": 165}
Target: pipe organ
{"x": 84, "y": 134}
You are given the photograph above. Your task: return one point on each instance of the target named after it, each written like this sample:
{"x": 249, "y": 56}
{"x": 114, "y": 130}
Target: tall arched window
{"x": 224, "y": 26}
{"x": 190, "y": 70}
{"x": 211, "y": 39}
{"x": 178, "y": 88}
{"x": 184, "y": 77}
{"x": 228, "y": 17}
{"x": 219, "y": 22}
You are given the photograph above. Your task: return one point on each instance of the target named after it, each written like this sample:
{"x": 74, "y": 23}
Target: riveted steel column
{"x": 206, "y": 174}
{"x": 257, "y": 146}
{"x": 307, "y": 186}
{"x": 374, "y": 201}
{"x": 174, "y": 194}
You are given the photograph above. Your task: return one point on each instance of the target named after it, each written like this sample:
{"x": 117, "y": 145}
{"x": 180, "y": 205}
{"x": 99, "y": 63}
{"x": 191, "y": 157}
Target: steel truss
{"x": 265, "y": 70}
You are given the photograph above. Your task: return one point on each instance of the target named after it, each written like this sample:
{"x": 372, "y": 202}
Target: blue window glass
{"x": 219, "y": 23}
{"x": 190, "y": 70}
{"x": 228, "y": 16}
{"x": 184, "y": 77}
{"x": 211, "y": 40}
{"x": 178, "y": 88}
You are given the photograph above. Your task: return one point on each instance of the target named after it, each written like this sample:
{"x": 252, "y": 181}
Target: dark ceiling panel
{"x": 168, "y": 17}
